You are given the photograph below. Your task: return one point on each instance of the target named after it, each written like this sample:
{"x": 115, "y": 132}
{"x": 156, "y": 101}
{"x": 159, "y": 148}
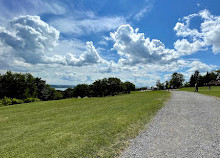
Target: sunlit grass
{"x": 213, "y": 91}
{"x": 88, "y": 127}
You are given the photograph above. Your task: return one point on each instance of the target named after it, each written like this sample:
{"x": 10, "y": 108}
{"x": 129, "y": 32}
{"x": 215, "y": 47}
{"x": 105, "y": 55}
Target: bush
{"x": 17, "y": 101}
{"x": 29, "y": 100}
{"x": 6, "y": 101}
{"x": 55, "y": 95}
{"x": 1, "y": 104}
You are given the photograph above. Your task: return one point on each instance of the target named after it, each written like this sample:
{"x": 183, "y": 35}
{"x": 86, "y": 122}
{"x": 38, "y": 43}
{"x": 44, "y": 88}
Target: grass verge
{"x": 88, "y": 127}
{"x": 214, "y": 91}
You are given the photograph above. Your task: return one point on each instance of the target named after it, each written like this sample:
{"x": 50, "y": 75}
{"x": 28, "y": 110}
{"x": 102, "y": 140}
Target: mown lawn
{"x": 214, "y": 91}
{"x": 88, "y": 127}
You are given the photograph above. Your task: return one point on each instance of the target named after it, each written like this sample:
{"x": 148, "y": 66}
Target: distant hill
{"x": 62, "y": 86}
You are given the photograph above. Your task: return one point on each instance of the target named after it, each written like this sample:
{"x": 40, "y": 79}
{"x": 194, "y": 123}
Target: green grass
{"x": 88, "y": 127}
{"x": 215, "y": 90}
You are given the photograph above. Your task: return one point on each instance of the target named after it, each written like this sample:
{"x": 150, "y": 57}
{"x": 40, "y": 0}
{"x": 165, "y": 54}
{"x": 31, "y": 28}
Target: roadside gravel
{"x": 188, "y": 126}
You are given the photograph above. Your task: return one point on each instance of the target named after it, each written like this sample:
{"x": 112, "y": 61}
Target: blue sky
{"x": 79, "y": 41}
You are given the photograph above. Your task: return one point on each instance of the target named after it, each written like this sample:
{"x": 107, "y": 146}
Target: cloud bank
{"x": 28, "y": 43}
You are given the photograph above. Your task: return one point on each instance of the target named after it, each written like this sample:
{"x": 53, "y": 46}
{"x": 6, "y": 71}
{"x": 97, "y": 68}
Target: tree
{"x": 128, "y": 87}
{"x": 99, "y": 88}
{"x": 69, "y": 93}
{"x": 114, "y": 85}
{"x": 55, "y": 95}
{"x": 22, "y": 86}
{"x": 197, "y": 78}
{"x": 207, "y": 78}
{"x": 213, "y": 76}
{"x": 82, "y": 90}
{"x": 167, "y": 84}
{"x": 176, "y": 80}
{"x": 159, "y": 85}
{"x": 192, "y": 81}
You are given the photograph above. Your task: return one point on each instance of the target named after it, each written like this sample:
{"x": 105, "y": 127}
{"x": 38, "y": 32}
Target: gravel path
{"x": 188, "y": 126}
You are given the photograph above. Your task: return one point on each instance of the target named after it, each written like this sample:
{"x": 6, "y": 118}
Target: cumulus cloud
{"x": 134, "y": 48}
{"x": 208, "y": 36}
{"x": 29, "y": 38}
{"x": 202, "y": 67}
{"x": 90, "y": 56}
{"x": 184, "y": 47}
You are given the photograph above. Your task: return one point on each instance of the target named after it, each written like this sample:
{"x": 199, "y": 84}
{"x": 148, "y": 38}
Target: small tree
{"x": 128, "y": 87}
{"x": 159, "y": 85}
{"x": 176, "y": 80}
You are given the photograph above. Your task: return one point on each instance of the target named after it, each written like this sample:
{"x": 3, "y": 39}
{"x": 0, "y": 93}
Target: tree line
{"x": 201, "y": 80}
{"x": 16, "y": 88}
{"x": 177, "y": 80}
{"x": 100, "y": 88}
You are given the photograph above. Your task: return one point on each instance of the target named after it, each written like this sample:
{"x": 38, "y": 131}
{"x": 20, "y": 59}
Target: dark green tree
{"x": 159, "y": 85}
{"x": 69, "y": 93}
{"x": 114, "y": 86}
{"x": 82, "y": 90}
{"x": 176, "y": 80}
{"x": 128, "y": 87}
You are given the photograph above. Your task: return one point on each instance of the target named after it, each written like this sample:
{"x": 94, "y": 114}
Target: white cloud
{"x": 142, "y": 12}
{"x": 209, "y": 34}
{"x": 134, "y": 48}
{"x": 104, "y": 43}
{"x": 27, "y": 7}
{"x": 90, "y": 56}
{"x": 184, "y": 47}
{"x": 87, "y": 25}
{"x": 32, "y": 40}
{"x": 31, "y": 45}
{"x": 202, "y": 67}
{"x": 29, "y": 38}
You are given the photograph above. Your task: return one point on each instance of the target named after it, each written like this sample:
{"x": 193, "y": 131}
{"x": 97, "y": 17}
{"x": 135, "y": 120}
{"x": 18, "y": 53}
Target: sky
{"x": 71, "y": 42}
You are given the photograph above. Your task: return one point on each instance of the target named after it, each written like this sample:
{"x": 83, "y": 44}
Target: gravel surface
{"x": 188, "y": 126}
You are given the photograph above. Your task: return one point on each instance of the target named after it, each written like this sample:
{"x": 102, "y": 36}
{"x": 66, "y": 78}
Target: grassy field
{"x": 215, "y": 90}
{"x": 88, "y": 127}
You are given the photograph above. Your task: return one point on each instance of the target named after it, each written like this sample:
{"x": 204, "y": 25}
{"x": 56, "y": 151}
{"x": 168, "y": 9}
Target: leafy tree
{"x": 159, "y": 85}
{"x": 213, "y": 76}
{"x": 176, "y": 80}
{"x": 128, "y": 87}
{"x": 55, "y": 95}
{"x": 69, "y": 93}
{"x": 197, "y": 78}
{"x": 82, "y": 90}
{"x": 207, "y": 78}
{"x": 100, "y": 88}
{"x": 114, "y": 86}
{"x": 110, "y": 86}
{"x": 22, "y": 86}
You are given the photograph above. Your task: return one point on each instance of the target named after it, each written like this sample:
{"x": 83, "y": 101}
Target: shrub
{"x": 17, "y": 101}
{"x": 29, "y": 100}
{"x": 1, "y": 103}
{"x": 6, "y": 101}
